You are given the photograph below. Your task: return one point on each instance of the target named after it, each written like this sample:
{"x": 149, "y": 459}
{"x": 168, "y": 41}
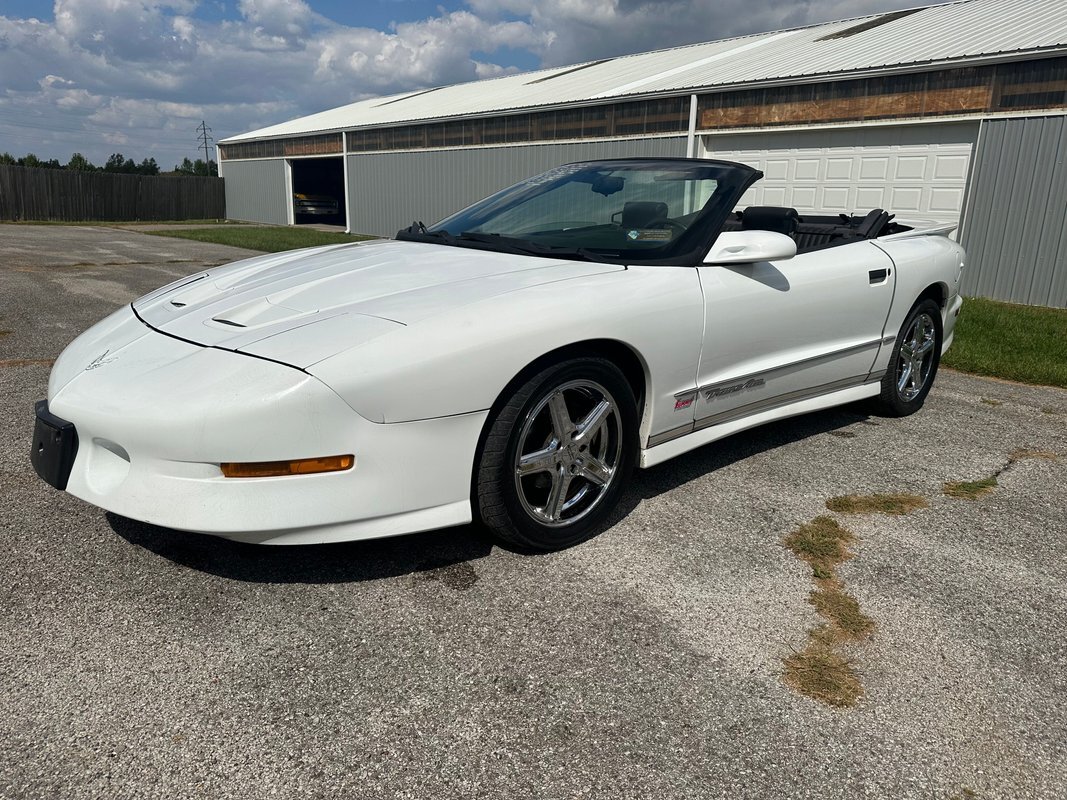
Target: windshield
{"x": 629, "y": 209}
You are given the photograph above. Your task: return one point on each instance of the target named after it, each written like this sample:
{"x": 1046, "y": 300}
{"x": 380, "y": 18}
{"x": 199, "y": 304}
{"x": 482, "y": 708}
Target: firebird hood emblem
{"x": 100, "y": 360}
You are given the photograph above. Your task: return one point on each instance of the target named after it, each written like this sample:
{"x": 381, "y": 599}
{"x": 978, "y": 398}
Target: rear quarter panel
{"x": 921, "y": 262}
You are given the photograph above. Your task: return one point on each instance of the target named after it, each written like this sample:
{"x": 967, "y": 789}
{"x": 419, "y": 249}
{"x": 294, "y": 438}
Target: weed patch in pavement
{"x": 821, "y": 671}
{"x": 876, "y": 503}
{"x": 27, "y": 362}
{"x": 990, "y": 402}
{"x": 842, "y": 609}
{"x": 972, "y": 490}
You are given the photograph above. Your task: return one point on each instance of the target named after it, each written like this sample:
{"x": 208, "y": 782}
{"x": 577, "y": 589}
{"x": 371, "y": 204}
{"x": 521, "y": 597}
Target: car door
{"x": 784, "y": 331}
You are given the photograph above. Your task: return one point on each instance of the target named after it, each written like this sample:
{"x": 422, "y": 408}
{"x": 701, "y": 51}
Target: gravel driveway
{"x": 141, "y": 662}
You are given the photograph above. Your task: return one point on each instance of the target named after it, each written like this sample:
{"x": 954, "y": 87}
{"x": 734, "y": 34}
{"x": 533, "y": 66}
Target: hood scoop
{"x": 256, "y": 314}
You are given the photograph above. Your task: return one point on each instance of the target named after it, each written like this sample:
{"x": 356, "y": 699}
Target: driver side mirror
{"x": 748, "y": 247}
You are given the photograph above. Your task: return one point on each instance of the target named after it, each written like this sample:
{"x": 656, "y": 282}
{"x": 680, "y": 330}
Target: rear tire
{"x": 913, "y": 365}
{"x": 557, "y": 455}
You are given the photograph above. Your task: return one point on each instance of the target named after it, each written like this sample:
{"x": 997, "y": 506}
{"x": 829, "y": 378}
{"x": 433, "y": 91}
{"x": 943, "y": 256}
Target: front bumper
{"x": 156, "y": 420}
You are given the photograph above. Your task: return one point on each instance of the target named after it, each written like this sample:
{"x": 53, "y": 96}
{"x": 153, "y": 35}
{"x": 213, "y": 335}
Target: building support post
{"x": 691, "y": 139}
{"x": 344, "y": 163}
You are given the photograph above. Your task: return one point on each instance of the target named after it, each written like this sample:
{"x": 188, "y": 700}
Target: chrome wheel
{"x": 916, "y": 357}
{"x": 913, "y": 365}
{"x": 568, "y": 454}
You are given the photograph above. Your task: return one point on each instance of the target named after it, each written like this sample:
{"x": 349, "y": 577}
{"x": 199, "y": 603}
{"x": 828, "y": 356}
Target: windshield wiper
{"x": 505, "y": 243}
{"x": 418, "y": 232}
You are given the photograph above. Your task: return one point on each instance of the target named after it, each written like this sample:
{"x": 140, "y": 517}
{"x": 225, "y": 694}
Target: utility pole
{"x": 205, "y": 139}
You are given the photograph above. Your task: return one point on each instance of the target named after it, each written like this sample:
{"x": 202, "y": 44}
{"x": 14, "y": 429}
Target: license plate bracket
{"x": 55, "y": 445}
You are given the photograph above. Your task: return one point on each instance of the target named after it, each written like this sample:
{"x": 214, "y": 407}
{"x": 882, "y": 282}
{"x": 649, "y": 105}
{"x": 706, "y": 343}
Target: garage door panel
{"x": 832, "y": 197}
{"x": 910, "y": 168}
{"x": 951, "y": 167}
{"x": 915, "y": 170}
{"x": 906, "y": 200}
{"x": 839, "y": 169}
{"x": 871, "y": 198}
{"x": 946, "y": 200}
{"x": 807, "y": 169}
{"x": 774, "y": 196}
{"x": 874, "y": 168}
{"x": 777, "y": 169}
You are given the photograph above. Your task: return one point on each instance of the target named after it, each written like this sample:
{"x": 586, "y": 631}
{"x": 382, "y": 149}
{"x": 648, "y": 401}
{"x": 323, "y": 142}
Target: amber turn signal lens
{"x": 274, "y": 469}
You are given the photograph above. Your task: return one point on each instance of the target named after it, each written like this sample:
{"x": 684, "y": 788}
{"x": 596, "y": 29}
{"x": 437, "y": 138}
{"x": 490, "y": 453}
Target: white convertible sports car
{"x": 512, "y": 363}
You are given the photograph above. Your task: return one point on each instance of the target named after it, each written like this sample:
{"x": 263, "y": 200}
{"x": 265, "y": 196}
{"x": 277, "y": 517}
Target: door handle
{"x": 877, "y": 276}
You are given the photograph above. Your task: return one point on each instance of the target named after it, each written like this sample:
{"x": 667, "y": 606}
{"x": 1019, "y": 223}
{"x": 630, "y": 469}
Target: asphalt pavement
{"x": 145, "y": 663}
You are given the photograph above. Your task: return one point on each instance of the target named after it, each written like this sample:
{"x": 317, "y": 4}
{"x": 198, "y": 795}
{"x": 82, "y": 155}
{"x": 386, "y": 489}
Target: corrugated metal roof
{"x": 958, "y": 32}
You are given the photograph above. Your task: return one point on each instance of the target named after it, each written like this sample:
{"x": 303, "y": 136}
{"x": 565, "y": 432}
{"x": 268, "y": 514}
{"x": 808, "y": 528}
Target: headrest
{"x": 770, "y": 218}
{"x": 638, "y": 214}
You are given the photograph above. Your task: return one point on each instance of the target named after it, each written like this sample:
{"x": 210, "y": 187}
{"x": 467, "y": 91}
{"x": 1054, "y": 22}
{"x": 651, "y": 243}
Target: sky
{"x": 138, "y": 76}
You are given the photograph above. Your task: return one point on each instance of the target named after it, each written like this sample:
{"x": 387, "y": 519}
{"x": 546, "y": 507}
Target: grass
{"x": 27, "y": 362}
{"x": 119, "y": 224}
{"x": 268, "y": 239}
{"x": 1018, "y": 343}
{"x": 823, "y": 543}
{"x": 820, "y": 671}
{"x": 841, "y": 609}
{"x": 894, "y": 504}
{"x": 970, "y": 490}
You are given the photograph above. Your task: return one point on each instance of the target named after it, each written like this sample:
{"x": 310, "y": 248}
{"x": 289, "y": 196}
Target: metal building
{"x": 955, "y": 112}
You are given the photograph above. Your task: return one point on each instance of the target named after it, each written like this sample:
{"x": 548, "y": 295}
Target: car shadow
{"x": 342, "y": 562}
{"x": 679, "y": 471}
{"x": 441, "y": 551}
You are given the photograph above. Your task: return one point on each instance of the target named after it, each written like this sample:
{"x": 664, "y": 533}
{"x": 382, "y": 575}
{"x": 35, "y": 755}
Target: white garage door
{"x": 917, "y": 171}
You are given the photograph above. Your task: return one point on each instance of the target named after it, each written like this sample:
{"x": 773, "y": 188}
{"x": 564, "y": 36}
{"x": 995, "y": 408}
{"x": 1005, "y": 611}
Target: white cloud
{"x": 144, "y": 73}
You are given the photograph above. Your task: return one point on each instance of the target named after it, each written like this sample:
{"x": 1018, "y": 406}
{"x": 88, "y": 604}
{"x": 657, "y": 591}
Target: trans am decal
{"x": 723, "y": 391}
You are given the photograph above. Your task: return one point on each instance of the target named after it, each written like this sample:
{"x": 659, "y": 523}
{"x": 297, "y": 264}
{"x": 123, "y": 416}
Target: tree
{"x": 7, "y": 158}
{"x": 29, "y": 160}
{"x": 119, "y": 163}
{"x": 198, "y": 167}
{"x": 79, "y": 163}
{"x": 148, "y": 167}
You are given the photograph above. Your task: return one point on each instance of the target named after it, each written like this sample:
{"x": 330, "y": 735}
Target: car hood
{"x": 349, "y": 293}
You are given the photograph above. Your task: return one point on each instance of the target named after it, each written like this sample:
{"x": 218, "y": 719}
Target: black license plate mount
{"x": 55, "y": 445}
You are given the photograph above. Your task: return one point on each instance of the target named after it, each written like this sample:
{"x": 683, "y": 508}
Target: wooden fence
{"x": 29, "y": 193}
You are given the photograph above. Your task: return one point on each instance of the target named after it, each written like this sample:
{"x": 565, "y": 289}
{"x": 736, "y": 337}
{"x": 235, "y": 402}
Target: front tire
{"x": 913, "y": 365}
{"x": 557, "y": 455}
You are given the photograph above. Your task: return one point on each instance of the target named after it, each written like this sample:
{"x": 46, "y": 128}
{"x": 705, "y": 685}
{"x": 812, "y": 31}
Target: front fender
{"x": 460, "y": 361}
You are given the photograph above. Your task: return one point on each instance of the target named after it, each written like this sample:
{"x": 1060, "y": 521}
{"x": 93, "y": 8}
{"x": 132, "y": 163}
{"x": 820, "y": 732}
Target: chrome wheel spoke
{"x": 561, "y": 417}
{"x": 557, "y": 497}
{"x": 593, "y": 421}
{"x": 925, "y": 347}
{"x": 539, "y": 461}
{"x": 905, "y": 375}
{"x": 596, "y": 471}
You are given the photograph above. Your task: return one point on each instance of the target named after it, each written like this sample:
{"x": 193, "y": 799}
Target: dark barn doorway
{"x": 318, "y": 191}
